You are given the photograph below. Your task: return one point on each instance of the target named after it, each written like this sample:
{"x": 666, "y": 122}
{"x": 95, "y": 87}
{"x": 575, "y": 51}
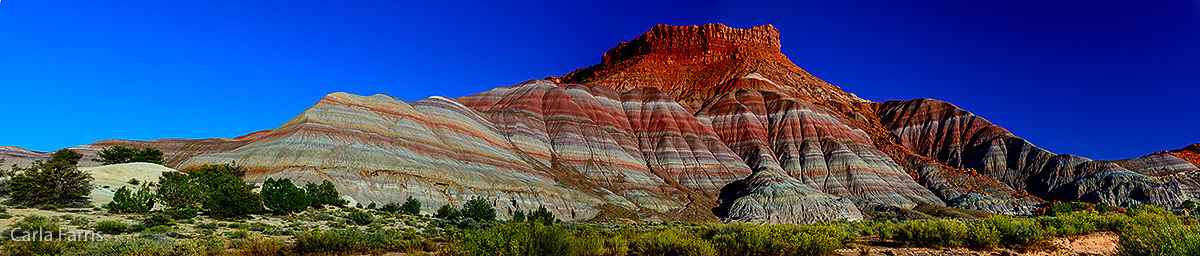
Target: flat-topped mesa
{"x": 715, "y": 41}
{"x": 697, "y": 64}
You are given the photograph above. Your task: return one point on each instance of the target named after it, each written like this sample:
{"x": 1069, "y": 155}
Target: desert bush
{"x": 447, "y": 212}
{"x": 182, "y": 213}
{"x": 412, "y": 206}
{"x": 518, "y": 216}
{"x": 333, "y": 241}
{"x": 360, "y": 218}
{"x": 323, "y": 194}
{"x": 58, "y": 182}
{"x": 225, "y": 194}
{"x": 1153, "y": 231}
{"x": 127, "y": 201}
{"x": 284, "y": 197}
{"x": 1071, "y": 224}
{"x": 181, "y": 193}
{"x": 478, "y": 209}
{"x": 233, "y": 200}
{"x": 670, "y": 241}
{"x": 111, "y": 227}
{"x": 517, "y": 238}
{"x": 982, "y": 235}
{"x": 151, "y": 246}
{"x": 1024, "y": 235}
{"x": 157, "y": 219}
{"x": 788, "y": 239}
{"x": 390, "y": 207}
{"x": 932, "y": 233}
{"x": 121, "y": 154}
{"x": 42, "y": 225}
{"x": 261, "y": 246}
{"x": 541, "y": 215}
{"x": 65, "y": 156}
{"x": 47, "y": 207}
{"x": 1156, "y": 239}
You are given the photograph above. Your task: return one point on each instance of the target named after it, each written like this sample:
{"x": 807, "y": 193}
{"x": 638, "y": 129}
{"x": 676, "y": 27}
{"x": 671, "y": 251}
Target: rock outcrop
{"x": 962, "y": 140}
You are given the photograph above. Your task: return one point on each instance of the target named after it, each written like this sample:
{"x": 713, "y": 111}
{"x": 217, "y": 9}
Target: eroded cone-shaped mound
{"x": 772, "y": 197}
{"x": 778, "y": 132}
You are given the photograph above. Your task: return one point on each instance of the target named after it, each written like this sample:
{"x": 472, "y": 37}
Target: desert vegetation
{"x": 210, "y": 210}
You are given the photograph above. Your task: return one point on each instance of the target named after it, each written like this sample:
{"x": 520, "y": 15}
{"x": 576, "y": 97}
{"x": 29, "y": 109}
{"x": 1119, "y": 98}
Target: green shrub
{"x": 670, "y": 242}
{"x": 478, "y": 209}
{"x": 447, "y": 212}
{"x": 1189, "y": 204}
{"x": 261, "y": 246}
{"x": 1071, "y": 224}
{"x": 180, "y": 191}
{"x": 1157, "y": 235}
{"x": 182, "y": 213}
{"x": 133, "y": 181}
{"x": 58, "y": 182}
{"x": 331, "y": 241}
{"x": 1024, "y": 235}
{"x": 371, "y": 206}
{"x": 151, "y": 246}
{"x": 284, "y": 197}
{"x": 519, "y": 238}
{"x": 48, "y": 207}
{"x": 126, "y": 201}
{"x": 932, "y": 233}
{"x": 360, "y": 218}
{"x": 542, "y": 215}
{"x": 121, "y": 154}
{"x": 323, "y": 194}
{"x": 412, "y": 206}
{"x": 390, "y": 207}
{"x": 157, "y": 219}
{"x": 982, "y": 235}
{"x": 519, "y": 216}
{"x": 787, "y": 239}
{"x": 233, "y": 200}
{"x": 42, "y": 225}
{"x": 111, "y": 227}
{"x": 65, "y": 156}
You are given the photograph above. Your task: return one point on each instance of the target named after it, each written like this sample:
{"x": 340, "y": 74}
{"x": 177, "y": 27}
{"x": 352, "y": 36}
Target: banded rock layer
{"x": 578, "y": 150}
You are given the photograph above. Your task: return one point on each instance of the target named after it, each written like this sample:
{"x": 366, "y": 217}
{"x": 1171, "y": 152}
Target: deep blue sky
{"x": 1100, "y": 79}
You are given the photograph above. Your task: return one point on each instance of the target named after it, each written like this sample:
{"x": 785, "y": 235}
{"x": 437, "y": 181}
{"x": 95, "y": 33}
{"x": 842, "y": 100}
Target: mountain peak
{"x": 698, "y": 63}
{"x": 708, "y": 39}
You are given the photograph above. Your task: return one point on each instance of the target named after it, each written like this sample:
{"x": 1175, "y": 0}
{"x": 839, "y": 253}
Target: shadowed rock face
{"x": 962, "y": 140}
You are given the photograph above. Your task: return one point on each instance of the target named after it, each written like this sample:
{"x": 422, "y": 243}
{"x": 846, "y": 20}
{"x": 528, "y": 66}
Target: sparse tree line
{"x": 216, "y": 189}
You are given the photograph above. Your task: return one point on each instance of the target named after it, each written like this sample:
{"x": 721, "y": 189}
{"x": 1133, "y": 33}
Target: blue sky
{"x": 1100, "y": 79}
